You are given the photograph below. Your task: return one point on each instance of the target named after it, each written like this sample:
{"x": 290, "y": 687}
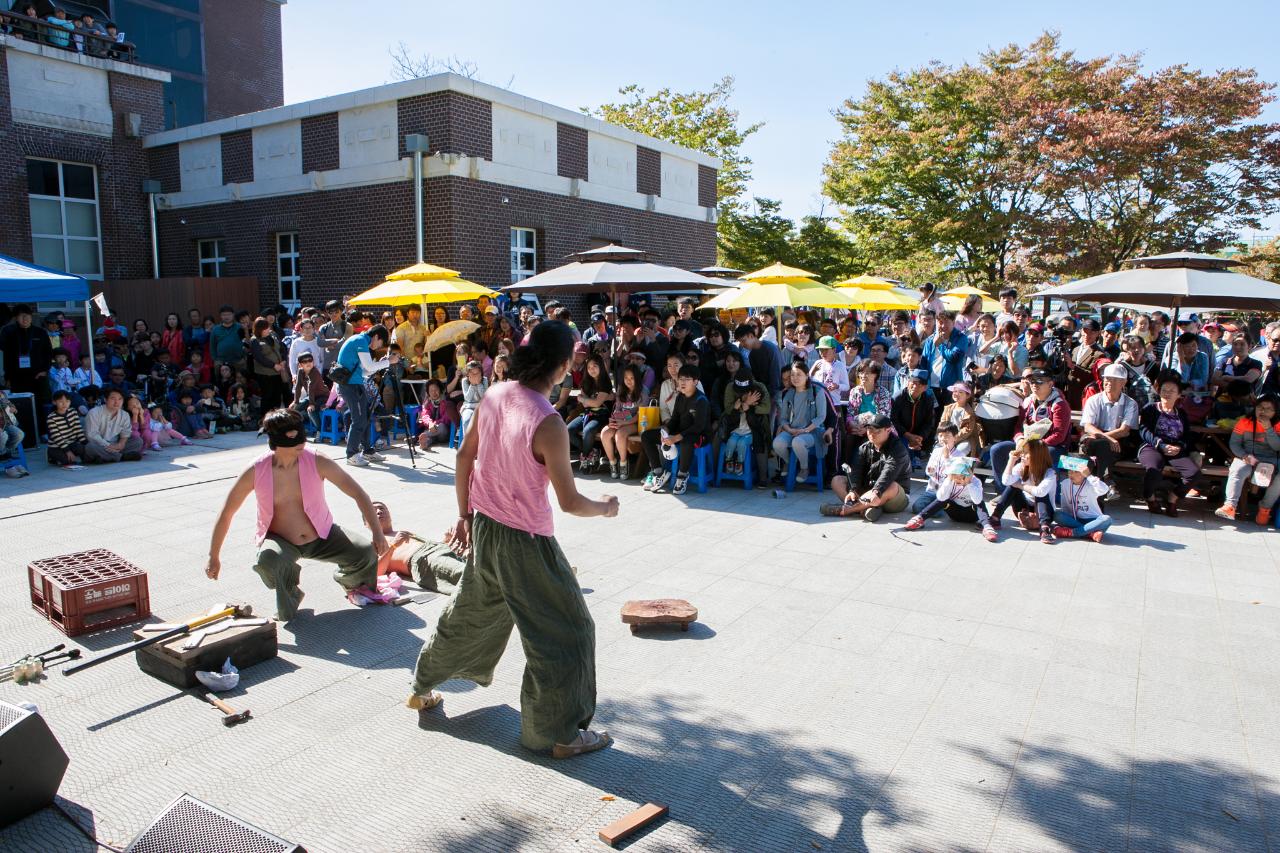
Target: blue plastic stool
{"x": 331, "y": 430}
{"x": 815, "y": 468}
{"x": 701, "y": 465}
{"x": 411, "y": 415}
{"x": 746, "y": 476}
{"x": 17, "y": 457}
{"x": 455, "y": 435}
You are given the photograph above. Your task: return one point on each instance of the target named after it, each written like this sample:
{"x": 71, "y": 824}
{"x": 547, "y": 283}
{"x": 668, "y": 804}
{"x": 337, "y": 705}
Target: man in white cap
{"x": 1107, "y": 420}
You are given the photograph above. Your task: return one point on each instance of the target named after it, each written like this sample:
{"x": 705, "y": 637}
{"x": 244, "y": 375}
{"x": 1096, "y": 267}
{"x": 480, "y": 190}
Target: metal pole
{"x": 417, "y": 201}
{"x": 88, "y": 333}
{"x": 155, "y": 237}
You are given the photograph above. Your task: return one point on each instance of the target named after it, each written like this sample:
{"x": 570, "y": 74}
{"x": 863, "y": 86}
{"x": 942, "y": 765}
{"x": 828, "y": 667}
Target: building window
{"x": 64, "y": 217}
{"x": 289, "y": 274}
{"x": 524, "y": 252}
{"x": 211, "y": 258}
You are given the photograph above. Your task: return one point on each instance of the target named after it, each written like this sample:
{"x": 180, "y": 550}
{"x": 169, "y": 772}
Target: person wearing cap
{"x": 829, "y": 370}
{"x": 960, "y": 413}
{"x": 959, "y": 495}
{"x": 912, "y": 414}
{"x": 1044, "y": 403}
{"x": 1109, "y": 421}
{"x": 1190, "y": 325}
{"x": 945, "y": 353}
{"x": 1193, "y": 365}
{"x": 1079, "y": 513}
{"x": 599, "y": 331}
{"x": 294, "y": 520}
{"x": 1008, "y": 305}
{"x": 1110, "y": 341}
{"x": 1220, "y": 349}
{"x": 879, "y": 480}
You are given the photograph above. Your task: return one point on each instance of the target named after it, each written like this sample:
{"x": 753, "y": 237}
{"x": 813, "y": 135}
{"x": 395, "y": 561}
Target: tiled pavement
{"x": 848, "y": 688}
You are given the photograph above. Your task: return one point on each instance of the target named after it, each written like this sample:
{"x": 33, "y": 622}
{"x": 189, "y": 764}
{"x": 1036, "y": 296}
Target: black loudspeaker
{"x": 25, "y": 403}
{"x": 191, "y": 826}
{"x": 31, "y": 763}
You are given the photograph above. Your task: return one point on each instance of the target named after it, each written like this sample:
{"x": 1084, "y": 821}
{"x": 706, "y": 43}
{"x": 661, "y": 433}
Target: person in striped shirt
{"x": 66, "y": 433}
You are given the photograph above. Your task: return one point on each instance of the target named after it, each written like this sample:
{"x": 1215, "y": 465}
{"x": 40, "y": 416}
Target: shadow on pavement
{"x": 368, "y": 638}
{"x": 731, "y": 783}
{"x": 1145, "y": 804}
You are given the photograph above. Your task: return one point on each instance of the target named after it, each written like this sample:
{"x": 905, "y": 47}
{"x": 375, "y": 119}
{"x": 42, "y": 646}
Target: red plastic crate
{"x": 38, "y": 570}
{"x": 102, "y": 591}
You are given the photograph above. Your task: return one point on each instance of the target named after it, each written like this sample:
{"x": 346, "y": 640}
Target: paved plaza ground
{"x": 846, "y": 689}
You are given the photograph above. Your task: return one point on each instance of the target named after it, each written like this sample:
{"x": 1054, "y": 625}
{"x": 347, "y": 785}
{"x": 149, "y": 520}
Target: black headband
{"x": 299, "y": 437}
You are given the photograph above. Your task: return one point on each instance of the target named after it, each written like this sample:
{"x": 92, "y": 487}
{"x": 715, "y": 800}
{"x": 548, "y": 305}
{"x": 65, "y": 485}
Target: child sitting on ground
{"x": 159, "y": 432}
{"x": 240, "y": 408}
{"x": 66, "y": 433}
{"x": 1079, "y": 513}
{"x": 138, "y": 422}
{"x": 212, "y": 411}
{"x": 186, "y": 419}
{"x": 435, "y": 417}
{"x": 939, "y": 464}
{"x": 960, "y": 496}
{"x": 1029, "y": 483}
{"x": 202, "y": 370}
{"x": 11, "y": 436}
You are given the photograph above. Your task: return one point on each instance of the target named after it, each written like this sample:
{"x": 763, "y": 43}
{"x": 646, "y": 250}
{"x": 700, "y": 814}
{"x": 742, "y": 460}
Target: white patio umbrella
{"x": 1176, "y": 281}
{"x": 615, "y": 269}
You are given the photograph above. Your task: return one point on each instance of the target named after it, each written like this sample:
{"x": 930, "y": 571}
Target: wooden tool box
{"x": 244, "y": 644}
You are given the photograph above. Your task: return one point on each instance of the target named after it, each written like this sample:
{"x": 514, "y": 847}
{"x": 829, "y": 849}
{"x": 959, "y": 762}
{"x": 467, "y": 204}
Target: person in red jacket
{"x": 1044, "y": 403}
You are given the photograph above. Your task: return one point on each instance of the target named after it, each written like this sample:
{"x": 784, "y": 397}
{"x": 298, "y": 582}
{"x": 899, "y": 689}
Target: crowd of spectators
{"x": 83, "y": 34}
{"x": 1052, "y": 410}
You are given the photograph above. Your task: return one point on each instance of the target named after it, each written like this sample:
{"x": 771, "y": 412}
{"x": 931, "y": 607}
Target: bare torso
{"x": 396, "y": 558}
{"x": 288, "y": 519}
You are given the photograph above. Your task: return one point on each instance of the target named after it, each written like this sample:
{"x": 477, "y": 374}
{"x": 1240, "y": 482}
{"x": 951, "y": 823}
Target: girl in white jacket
{"x": 960, "y": 496}
{"x": 1029, "y": 486}
{"x": 1079, "y": 513}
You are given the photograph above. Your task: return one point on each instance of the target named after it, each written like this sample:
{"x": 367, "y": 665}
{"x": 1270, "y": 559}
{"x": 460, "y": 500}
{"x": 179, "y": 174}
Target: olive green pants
{"x": 516, "y": 579}
{"x": 278, "y": 565}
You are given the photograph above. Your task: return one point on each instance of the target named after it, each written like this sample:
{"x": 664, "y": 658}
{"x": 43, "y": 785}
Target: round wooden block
{"x": 659, "y": 611}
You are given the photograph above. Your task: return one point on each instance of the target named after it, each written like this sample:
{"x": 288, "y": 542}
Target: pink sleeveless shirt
{"x": 508, "y": 484}
{"x": 313, "y": 502}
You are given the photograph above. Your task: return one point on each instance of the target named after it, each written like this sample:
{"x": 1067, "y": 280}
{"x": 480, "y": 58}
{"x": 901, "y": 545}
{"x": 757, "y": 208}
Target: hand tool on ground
{"x": 230, "y": 610}
{"x": 30, "y": 667}
{"x": 230, "y": 716}
{"x": 194, "y": 641}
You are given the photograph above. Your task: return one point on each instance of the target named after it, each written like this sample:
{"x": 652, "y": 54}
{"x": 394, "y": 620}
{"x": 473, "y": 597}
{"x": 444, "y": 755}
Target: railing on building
{"x": 78, "y": 40}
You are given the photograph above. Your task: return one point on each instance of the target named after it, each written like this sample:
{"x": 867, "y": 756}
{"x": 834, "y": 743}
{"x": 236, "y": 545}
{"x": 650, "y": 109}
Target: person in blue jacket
{"x": 945, "y": 353}
{"x": 356, "y": 356}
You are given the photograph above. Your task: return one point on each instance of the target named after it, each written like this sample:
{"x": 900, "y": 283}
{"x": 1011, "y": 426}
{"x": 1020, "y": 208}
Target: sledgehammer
{"x": 227, "y": 611}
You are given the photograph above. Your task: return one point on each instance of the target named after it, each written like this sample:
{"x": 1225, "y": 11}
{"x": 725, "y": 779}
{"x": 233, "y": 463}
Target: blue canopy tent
{"x": 24, "y": 282}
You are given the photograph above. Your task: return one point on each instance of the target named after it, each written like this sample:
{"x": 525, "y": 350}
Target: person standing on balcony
{"x": 59, "y": 20}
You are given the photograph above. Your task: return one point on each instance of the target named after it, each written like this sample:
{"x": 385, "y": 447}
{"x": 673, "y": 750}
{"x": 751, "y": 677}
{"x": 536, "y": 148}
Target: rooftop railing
{"x": 75, "y": 38}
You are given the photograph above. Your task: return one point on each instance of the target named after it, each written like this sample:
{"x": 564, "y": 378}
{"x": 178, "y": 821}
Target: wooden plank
{"x": 632, "y": 823}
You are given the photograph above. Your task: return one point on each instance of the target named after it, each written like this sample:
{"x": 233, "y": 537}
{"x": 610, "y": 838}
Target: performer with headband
{"x": 294, "y": 520}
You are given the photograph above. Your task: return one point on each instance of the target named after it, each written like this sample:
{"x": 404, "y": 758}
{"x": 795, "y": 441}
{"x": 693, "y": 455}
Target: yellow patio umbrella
{"x": 790, "y": 292}
{"x": 870, "y": 299}
{"x": 868, "y": 282}
{"x": 778, "y": 273}
{"x": 421, "y": 284}
{"x": 954, "y": 299}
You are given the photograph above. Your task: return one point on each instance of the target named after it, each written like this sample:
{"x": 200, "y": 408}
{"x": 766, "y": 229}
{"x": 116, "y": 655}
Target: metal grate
{"x": 10, "y": 714}
{"x": 192, "y": 826}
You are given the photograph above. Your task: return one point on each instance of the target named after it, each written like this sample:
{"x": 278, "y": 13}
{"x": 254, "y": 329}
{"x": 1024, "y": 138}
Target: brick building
{"x": 316, "y": 199}
{"x": 72, "y": 161}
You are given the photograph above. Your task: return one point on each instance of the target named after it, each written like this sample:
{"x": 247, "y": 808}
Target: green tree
{"x": 1261, "y": 260}
{"x": 751, "y": 239}
{"x": 703, "y": 121}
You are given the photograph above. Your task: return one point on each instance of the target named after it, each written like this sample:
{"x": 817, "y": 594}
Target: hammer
{"x": 230, "y": 716}
{"x": 229, "y": 610}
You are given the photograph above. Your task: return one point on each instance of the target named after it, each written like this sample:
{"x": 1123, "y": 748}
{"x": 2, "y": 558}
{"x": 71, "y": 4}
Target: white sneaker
{"x": 374, "y": 456}
{"x": 359, "y": 460}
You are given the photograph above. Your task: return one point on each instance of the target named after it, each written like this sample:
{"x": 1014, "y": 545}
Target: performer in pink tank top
{"x": 516, "y": 575}
{"x": 294, "y": 519}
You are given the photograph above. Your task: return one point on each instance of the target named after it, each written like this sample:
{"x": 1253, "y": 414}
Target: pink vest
{"x": 313, "y": 502}
{"x": 508, "y": 484}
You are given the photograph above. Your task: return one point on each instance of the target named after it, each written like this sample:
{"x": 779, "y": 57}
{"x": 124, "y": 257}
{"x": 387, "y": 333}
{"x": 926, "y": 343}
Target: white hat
{"x": 1115, "y": 371}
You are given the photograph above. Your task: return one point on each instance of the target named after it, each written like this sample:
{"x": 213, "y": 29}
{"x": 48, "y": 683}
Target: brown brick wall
{"x": 468, "y": 229}
{"x": 121, "y": 167}
{"x": 237, "y": 157}
{"x": 706, "y": 186}
{"x": 244, "y": 65}
{"x": 571, "y": 151}
{"x": 454, "y": 123}
{"x": 165, "y": 167}
{"x": 320, "y": 143}
{"x": 648, "y": 171}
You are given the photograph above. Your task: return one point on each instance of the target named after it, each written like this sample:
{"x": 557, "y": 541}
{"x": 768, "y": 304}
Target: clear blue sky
{"x": 794, "y": 62}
